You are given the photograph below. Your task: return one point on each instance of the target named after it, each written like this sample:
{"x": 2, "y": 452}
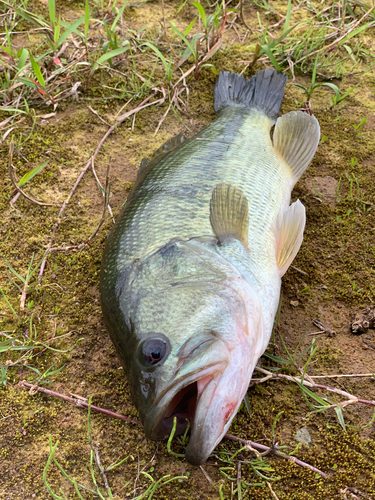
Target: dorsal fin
{"x": 289, "y": 227}
{"x": 148, "y": 164}
{"x": 172, "y": 143}
{"x": 229, "y": 214}
{"x": 296, "y": 139}
{"x": 169, "y": 145}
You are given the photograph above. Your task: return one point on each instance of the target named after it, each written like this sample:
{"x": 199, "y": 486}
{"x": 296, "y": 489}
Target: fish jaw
{"x": 179, "y": 398}
{"x": 218, "y": 401}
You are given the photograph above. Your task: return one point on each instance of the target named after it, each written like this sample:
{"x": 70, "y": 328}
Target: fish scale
{"x": 191, "y": 272}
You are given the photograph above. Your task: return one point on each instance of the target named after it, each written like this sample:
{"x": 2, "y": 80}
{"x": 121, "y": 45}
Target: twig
{"x": 97, "y": 114}
{"x": 322, "y": 326}
{"x": 273, "y": 376}
{"x": 23, "y": 295}
{"x": 272, "y": 492}
{"x": 239, "y": 489}
{"x": 163, "y": 117}
{"x": 342, "y": 376}
{"x": 86, "y": 242}
{"x": 206, "y": 475}
{"x": 243, "y": 19}
{"x": 277, "y": 453}
{"x": 79, "y": 403}
{"x": 102, "y": 190}
{"x": 87, "y": 166}
{"x": 100, "y": 467}
{"x": 359, "y": 492}
{"x": 299, "y": 270}
{"x": 14, "y": 182}
{"x": 144, "y": 468}
{"x": 112, "y": 414}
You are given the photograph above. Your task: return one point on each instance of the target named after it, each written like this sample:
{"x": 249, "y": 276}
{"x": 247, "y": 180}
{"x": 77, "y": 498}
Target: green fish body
{"x": 191, "y": 272}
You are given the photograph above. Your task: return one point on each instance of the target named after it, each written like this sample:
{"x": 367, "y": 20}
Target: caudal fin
{"x": 264, "y": 91}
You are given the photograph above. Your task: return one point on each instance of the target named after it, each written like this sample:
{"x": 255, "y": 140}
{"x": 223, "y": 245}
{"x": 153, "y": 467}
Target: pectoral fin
{"x": 229, "y": 214}
{"x": 296, "y": 139}
{"x": 290, "y": 224}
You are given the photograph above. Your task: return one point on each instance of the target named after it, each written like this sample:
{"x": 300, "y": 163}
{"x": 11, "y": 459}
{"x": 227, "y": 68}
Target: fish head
{"x": 197, "y": 335}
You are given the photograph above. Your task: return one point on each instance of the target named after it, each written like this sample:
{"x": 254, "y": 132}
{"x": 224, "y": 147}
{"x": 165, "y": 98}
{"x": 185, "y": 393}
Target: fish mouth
{"x": 180, "y": 402}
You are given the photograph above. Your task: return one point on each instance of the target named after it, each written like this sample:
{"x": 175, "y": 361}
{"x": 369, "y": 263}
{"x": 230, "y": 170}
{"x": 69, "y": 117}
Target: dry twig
{"x": 249, "y": 444}
{"x": 272, "y": 492}
{"x": 78, "y": 402}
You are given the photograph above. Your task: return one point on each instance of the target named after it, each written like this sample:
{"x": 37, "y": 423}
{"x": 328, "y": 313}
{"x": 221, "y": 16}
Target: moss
{"x": 67, "y": 301}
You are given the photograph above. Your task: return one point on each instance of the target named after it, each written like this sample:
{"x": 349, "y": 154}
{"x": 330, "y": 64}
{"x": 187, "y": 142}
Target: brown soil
{"x": 338, "y": 279}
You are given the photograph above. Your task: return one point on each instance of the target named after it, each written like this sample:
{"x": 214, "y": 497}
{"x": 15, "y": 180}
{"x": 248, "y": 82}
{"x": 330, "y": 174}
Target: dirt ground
{"x": 333, "y": 278}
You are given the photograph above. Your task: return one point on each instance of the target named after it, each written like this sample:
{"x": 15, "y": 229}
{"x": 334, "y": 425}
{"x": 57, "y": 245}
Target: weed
{"x": 94, "y": 463}
{"x": 314, "y": 85}
{"x": 358, "y": 128}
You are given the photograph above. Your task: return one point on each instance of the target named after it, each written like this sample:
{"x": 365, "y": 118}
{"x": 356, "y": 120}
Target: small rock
{"x": 294, "y": 303}
{"x": 303, "y": 436}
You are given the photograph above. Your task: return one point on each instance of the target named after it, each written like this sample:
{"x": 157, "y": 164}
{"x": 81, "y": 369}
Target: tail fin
{"x": 264, "y": 91}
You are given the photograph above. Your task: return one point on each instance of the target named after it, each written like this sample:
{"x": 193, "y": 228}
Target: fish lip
{"x": 153, "y": 422}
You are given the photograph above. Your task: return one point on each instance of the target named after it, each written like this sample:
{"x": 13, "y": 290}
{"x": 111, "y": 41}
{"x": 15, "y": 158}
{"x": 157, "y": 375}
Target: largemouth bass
{"x": 191, "y": 272}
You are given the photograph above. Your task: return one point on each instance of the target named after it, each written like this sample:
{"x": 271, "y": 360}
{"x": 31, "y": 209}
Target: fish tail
{"x": 264, "y": 91}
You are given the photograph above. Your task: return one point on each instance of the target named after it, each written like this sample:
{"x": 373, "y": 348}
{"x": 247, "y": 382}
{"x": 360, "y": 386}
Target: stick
{"x": 278, "y": 454}
{"x": 100, "y": 467}
{"x": 81, "y": 245}
{"x": 78, "y": 402}
{"x": 87, "y": 166}
{"x": 272, "y": 492}
{"x": 273, "y": 376}
{"x": 112, "y": 414}
{"x": 101, "y": 189}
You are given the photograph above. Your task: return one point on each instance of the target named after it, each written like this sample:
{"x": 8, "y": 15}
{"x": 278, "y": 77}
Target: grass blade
{"x": 109, "y": 55}
{"x": 69, "y": 30}
{"x": 23, "y": 54}
{"x": 288, "y": 14}
{"x": 9, "y": 305}
{"x": 202, "y": 13}
{"x": 340, "y": 417}
{"x": 87, "y": 18}
{"x": 52, "y": 11}
{"x": 37, "y": 71}
{"x": 32, "y": 173}
{"x": 118, "y": 16}
{"x": 266, "y": 49}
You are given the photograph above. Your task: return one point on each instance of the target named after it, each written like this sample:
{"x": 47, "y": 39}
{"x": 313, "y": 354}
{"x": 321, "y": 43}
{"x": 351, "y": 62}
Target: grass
{"x": 102, "y": 491}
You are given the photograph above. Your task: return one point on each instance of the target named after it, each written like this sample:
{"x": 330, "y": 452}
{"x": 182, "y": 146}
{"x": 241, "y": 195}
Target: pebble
{"x": 303, "y": 436}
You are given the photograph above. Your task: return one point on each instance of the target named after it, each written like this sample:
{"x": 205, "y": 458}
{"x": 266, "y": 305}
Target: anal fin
{"x": 229, "y": 214}
{"x": 289, "y": 227}
{"x": 296, "y": 139}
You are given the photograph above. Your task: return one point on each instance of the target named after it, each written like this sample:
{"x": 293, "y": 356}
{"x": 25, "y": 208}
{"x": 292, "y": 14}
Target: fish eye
{"x": 154, "y": 351}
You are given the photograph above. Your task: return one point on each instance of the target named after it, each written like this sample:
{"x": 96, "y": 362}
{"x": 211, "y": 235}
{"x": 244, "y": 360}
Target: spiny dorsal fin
{"x": 229, "y": 213}
{"x": 289, "y": 227}
{"x": 169, "y": 145}
{"x": 295, "y": 139}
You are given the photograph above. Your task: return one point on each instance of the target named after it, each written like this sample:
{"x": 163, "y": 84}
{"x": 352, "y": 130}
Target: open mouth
{"x": 182, "y": 407}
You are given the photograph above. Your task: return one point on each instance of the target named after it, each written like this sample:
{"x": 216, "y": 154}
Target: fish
{"x": 191, "y": 272}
